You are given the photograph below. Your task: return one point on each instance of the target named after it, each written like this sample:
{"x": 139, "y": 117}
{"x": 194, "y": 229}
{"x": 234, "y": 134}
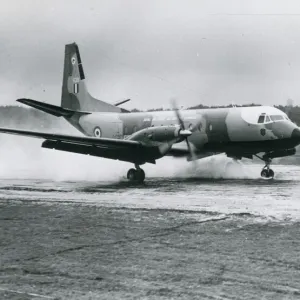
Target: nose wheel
{"x": 266, "y": 171}
{"x": 136, "y": 175}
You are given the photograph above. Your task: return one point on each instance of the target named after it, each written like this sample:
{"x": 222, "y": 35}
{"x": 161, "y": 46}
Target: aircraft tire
{"x": 271, "y": 173}
{"x": 140, "y": 175}
{"x": 131, "y": 174}
{"x": 267, "y": 173}
{"x": 264, "y": 173}
{"x": 134, "y": 175}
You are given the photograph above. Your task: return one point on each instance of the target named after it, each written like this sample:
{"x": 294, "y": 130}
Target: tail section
{"x": 75, "y": 96}
{"x": 49, "y": 108}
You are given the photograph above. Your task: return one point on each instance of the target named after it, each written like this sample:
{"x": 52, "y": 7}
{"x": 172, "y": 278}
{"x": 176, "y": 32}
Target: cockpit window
{"x": 277, "y": 118}
{"x": 261, "y": 119}
{"x": 287, "y": 118}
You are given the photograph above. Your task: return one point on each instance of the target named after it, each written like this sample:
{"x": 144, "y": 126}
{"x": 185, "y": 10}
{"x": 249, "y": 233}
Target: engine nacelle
{"x": 160, "y": 134}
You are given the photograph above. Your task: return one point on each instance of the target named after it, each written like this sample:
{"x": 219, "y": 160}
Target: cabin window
{"x": 268, "y": 119}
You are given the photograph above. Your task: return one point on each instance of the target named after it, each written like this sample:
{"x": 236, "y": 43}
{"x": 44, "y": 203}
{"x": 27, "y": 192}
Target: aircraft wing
{"x": 125, "y": 150}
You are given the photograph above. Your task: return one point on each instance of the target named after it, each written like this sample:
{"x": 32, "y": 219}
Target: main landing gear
{"x": 136, "y": 175}
{"x": 266, "y": 171}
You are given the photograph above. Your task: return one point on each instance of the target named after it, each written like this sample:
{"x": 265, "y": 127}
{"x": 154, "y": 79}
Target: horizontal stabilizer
{"x": 49, "y": 108}
{"x": 121, "y": 102}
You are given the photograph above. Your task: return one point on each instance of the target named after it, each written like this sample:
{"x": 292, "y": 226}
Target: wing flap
{"x": 119, "y": 153}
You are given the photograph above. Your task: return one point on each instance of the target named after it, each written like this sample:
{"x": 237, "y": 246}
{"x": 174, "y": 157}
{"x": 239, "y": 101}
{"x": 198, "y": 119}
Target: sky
{"x": 211, "y": 52}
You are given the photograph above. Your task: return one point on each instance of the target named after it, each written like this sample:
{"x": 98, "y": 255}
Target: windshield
{"x": 277, "y": 118}
{"x": 261, "y": 119}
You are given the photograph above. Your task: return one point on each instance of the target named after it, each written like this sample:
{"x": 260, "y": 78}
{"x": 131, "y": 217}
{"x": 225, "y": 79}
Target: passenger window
{"x": 261, "y": 119}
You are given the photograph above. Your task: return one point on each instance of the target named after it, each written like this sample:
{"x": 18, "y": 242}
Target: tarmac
{"x": 74, "y": 251}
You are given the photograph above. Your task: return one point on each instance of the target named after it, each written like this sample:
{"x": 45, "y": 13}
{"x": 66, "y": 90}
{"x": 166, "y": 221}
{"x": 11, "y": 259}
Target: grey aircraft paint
{"x": 146, "y": 136}
{"x": 211, "y": 128}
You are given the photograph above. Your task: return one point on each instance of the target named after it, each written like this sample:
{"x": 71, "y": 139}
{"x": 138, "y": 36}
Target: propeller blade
{"x": 289, "y": 107}
{"x": 185, "y": 132}
{"x": 176, "y": 110}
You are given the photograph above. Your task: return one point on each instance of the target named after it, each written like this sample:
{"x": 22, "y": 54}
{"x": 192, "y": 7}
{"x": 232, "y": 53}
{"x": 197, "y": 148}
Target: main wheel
{"x": 131, "y": 174}
{"x": 140, "y": 175}
{"x": 136, "y": 175}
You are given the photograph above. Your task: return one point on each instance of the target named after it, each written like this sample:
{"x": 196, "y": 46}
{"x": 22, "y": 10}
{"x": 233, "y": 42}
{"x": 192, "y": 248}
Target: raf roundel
{"x": 97, "y": 132}
{"x": 73, "y": 60}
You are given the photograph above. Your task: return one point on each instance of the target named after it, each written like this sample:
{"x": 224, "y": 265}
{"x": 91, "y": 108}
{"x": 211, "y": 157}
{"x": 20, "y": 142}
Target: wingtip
{"x": 22, "y": 100}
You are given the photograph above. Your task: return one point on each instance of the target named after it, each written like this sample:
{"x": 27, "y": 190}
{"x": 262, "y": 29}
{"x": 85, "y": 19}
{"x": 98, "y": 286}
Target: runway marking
{"x": 29, "y": 294}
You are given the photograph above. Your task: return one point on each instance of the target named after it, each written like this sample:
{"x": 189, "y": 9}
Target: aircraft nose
{"x": 296, "y": 134}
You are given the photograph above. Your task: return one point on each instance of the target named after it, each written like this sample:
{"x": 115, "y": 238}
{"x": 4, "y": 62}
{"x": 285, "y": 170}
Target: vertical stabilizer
{"x": 74, "y": 92}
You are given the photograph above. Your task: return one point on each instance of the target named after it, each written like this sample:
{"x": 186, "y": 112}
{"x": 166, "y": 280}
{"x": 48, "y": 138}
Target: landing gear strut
{"x": 136, "y": 175}
{"x": 266, "y": 171}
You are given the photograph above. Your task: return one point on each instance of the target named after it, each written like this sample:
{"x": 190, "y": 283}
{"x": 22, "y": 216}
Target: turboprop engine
{"x": 163, "y": 137}
{"x": 161, "y": 134}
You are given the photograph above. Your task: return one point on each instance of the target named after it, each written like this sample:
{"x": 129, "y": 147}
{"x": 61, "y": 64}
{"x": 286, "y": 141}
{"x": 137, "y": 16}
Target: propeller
{"x": 185, "y": 133}
{"x": 289, "y": 107}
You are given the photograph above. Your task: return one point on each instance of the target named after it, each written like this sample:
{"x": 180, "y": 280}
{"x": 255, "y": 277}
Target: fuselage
{"x": 238, "y": 129}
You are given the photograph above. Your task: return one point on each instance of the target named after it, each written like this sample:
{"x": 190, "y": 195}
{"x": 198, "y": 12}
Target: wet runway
{"x": 186, "y": 236}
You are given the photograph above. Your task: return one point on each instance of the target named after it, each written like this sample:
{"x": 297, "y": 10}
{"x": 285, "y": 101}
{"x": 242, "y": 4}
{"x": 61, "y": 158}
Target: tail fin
{"x": 74, "y": 92}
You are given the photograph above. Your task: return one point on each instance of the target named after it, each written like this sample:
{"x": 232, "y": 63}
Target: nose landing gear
{"x": 136, "y": 175}
{"x": 266, "y": 171}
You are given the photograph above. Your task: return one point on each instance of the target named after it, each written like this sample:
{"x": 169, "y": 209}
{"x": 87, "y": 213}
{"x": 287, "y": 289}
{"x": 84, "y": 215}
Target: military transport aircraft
{"x": 115, "y": 133}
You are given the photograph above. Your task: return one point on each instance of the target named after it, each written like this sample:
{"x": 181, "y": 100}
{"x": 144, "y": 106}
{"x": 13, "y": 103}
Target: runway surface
{"x": 190, "y": 236}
